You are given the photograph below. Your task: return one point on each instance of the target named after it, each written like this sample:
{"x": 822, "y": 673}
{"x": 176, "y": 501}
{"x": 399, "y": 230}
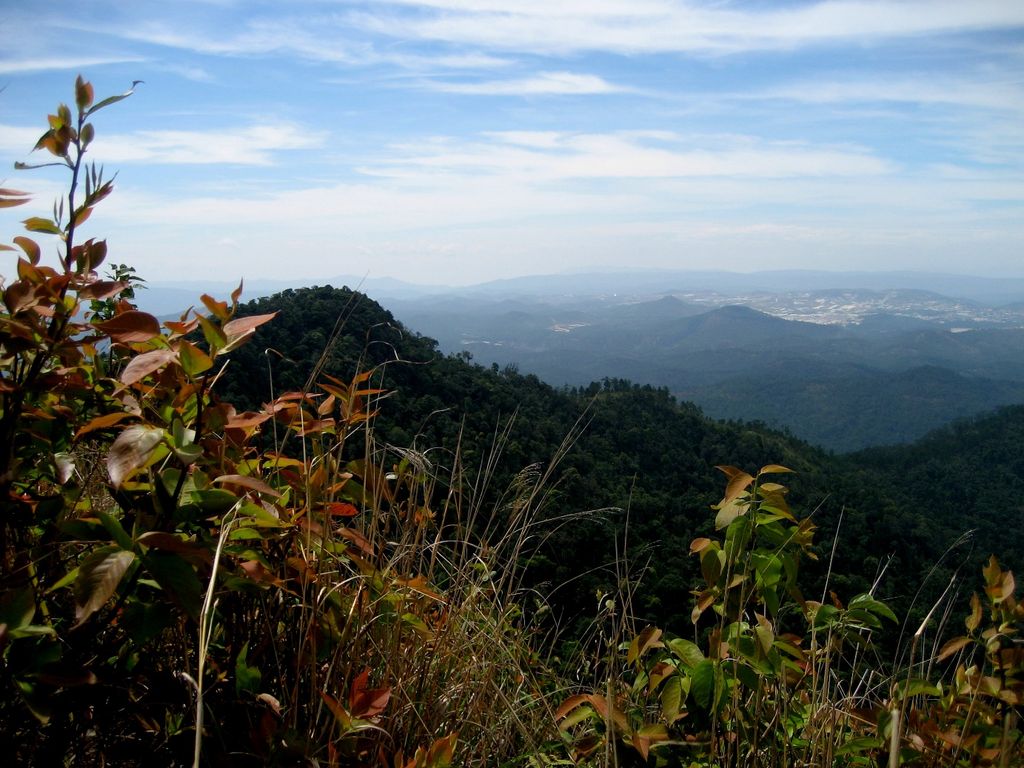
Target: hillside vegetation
{"x": 291, "y": 532}
{"x": 887, "y": 380}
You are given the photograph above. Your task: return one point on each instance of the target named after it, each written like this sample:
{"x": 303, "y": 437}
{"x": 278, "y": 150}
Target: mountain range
{"x": 842, "y": 360}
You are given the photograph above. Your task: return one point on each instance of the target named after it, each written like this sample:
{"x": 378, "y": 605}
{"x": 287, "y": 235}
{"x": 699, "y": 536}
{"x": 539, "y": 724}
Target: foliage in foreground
{"x": 771, "y": 678}
{"x": 186, "y": 583}
{"x": 175, "y": 591}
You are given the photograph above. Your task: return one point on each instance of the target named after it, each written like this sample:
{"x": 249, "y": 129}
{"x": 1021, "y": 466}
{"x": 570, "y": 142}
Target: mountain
{"x": 642, "y": 459}
{"x": 892, "y": 377}
{"x": 847, "y": 407}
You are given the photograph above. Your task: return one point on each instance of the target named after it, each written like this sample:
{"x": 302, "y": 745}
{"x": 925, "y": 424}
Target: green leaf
{"x": 247, "y": 679}
{"x": 177, "y": 578}
{"x": 17, "y": 607}
{"x": 98, "y": 578}
{"x": 728, "y": 512}
{"x": 213, "y": 335}
{"x": 39, "y": 224}
{"x": 868, "y": 603}
{"x": 193, "y": 360}
{"x": 672, "y": 699}
{"x": 112, "y": 100}
{"x": 906, "y": 689}
{"x": 702, "y": 685}
{"x": 115, "y": 529}
{"x": 144, "y": 621}
{"x": 860, "y": 745}
{"x": 687, "y": 652}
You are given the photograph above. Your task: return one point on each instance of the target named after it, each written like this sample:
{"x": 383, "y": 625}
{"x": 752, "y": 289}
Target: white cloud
{"x": 17, "y": 140}
{"x": 542, "y": 84}
{"x": 633, "y": 26}
{"x": 254, "y": 145}
{"x": 54, "y": 63}
{"x": 987, "y": 92}
{"x": 548, "y": 157}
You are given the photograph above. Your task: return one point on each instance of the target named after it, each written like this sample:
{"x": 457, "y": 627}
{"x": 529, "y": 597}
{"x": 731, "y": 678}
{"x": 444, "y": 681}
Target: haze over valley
{"x": 842, "y": 360}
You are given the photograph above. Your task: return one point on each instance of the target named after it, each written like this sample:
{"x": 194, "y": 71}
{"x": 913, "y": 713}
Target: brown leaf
{"x": 130, "y": 326}
{"x": 101, "y": 422}
{"x": 101, "y": 289}
{"x": 364, "y": 702}
{"x": 12, "y": 197}
{"x": 98, "y": 578}
{"x": 773, "y": 469}
{"x": 148, "y": 362}
{"x": 245, "y": 481}
{"x": 952, "y": 647}
{"x": 218, "y": 309}
{"x": 132, "y": 450}
{"x": 237, "y": 329}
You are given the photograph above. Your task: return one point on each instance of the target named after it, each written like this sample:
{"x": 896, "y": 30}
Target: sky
{"x": 459, "y": 141}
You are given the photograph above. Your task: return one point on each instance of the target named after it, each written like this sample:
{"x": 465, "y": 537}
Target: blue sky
{"x": 456, "y": 141}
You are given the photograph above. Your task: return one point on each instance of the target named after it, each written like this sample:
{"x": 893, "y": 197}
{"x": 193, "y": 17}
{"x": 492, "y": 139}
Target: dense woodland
{"x": 646, "y": 462}
{"x": 888, "y": 379}
{"x": 292, "y": 533}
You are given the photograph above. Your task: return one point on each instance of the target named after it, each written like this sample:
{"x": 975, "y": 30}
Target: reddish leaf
{"x": 130, "y": 326}
{"x": 148, "y": 362}
{"x": 441, "y": 752}
{"x": 83, "y": 94}
{"x": 181, "y": 328}
{"x": 82, "y": 215}
{"x": 256, "y": 571}
{"x": 169, "y": 542}
{"x": 647, "y": 639}
{"x": 738, "y": 483}
{"x": 241, "y": 327}
{"x": 218, "y": 309}
{"x": 952, "y": 647}
{"x": 101, "y": 289}
{"x": 359, "y": 540}
{"x": 12, "y": 197}
{"x": 570, "y": 704}
{"x": 364, "y": 702}
{"x": 248, "y": 482}
{"x": 101, "y": 422}
{"x": 340, "y": 509}
{"x": 247, "y": 419}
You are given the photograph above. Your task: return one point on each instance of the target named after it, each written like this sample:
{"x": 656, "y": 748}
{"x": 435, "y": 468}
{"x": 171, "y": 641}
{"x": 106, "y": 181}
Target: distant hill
{"x": 889, "y": 379}
{"x": 642, "y": 451}
{"x": 847, "y": 408}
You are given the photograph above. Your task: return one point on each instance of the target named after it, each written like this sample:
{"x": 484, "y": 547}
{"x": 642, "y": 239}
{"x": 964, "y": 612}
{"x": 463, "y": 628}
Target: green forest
{"x": 293, "y": 532}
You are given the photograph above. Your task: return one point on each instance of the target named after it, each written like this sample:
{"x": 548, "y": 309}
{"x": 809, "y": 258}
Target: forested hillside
{"x": 645, "y": 461}
{"x": 886, "y": 379}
